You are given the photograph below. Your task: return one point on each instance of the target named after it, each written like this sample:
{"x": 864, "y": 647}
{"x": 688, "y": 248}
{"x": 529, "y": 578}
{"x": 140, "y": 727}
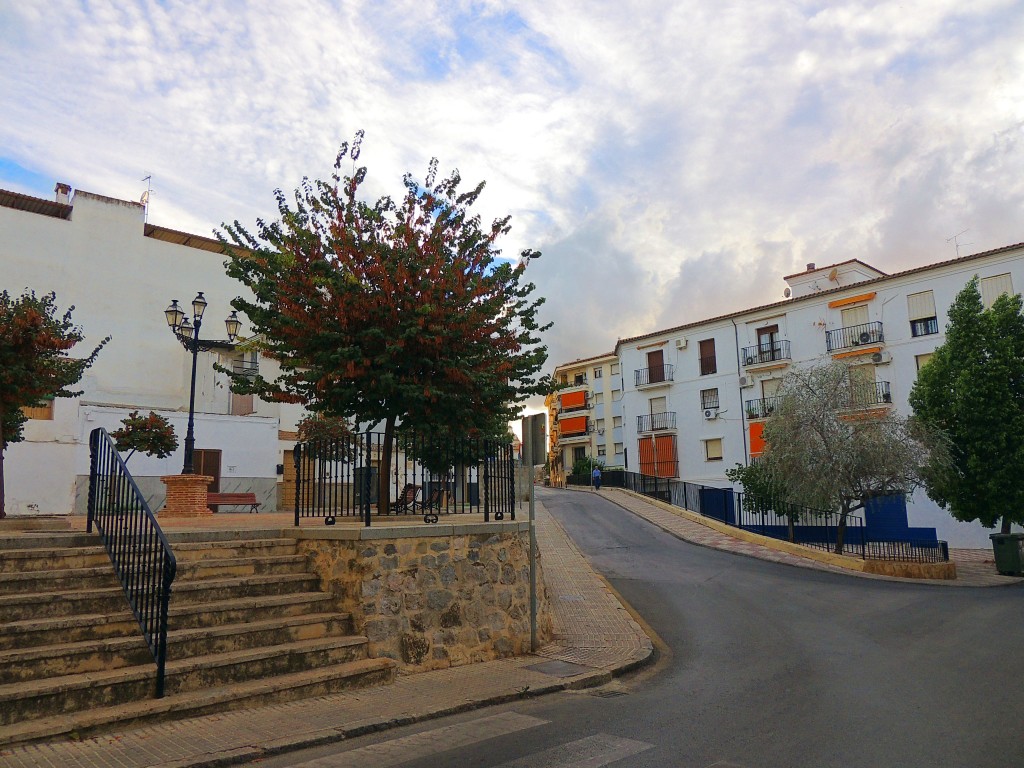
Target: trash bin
{"x": 1008, "y": 549}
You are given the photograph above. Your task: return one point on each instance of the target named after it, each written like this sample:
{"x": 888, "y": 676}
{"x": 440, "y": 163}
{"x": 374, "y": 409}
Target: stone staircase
{"x": 249, "y": 625}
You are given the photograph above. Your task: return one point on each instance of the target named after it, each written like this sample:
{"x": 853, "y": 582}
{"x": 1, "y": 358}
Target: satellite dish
{"x": 833, "y": 274}
{"x": 787, "y": 293}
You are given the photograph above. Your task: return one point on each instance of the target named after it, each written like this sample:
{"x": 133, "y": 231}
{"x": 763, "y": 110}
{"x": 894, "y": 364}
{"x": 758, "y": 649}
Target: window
{"x": 658, "y": 455}
{"x": 770, "y": 387}
{"x": 994, "y": 287}
{"x": 658, "y": 405}
{"x": 656, "y": 366}
{"x": 862, "y": 385}
{"x": 616, "y": 421}
{"x": 921, "y": 310}
{"x": 713, "y": 449}
{"x": 709, "y": 398}
{"x": 618, "y": 449}
{"x": 615, "y": 368}
{"x": 42, "y": 412}
{"x": 598, "y": 398}
{"x": 579, "y": 453}
{"x": 598, "y": 373}
{"x": 708, "y": 361}
{"x": 922, "y": 360}
{"x": 579, "y": 378}
{"x": 600, "y": 425}
{"x": 601, "y": 450}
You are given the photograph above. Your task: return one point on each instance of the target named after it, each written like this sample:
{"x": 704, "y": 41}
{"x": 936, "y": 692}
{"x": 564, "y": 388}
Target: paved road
{"x": 767, "y": 665}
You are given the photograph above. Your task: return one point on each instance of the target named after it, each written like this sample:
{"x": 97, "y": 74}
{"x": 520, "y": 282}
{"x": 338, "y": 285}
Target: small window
{"x": 598, "y": 373}
{"x": 994, "y": 287}
{"x": 598, "y": 398}
{"x": 42, "y": 412}
{"x": 600, "y": 424}
{"x": 618, "y": 449}
{"x": 601, "y": 450}
{"x": 616, "y": 421}
{"x": 713, "y": 449}
{"x": 615, "y": 368}
{"x": 708, "y": 361}
{"x": 709, "y": 398}
{"x": 923, "y": 360}
{"x": 921, "y": 310}
{"x": 580, "y": 378}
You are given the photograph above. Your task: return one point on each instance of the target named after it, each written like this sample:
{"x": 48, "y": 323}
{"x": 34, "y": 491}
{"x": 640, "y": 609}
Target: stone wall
{"x": 433, "y": 596}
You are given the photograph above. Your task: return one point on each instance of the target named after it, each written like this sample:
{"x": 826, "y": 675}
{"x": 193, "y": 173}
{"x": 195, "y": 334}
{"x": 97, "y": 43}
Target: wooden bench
{"x": 234, "y": 500}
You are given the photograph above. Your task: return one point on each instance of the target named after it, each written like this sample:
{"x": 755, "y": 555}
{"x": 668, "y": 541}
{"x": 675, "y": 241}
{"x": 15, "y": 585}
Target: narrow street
{"x": 766, "y": 665}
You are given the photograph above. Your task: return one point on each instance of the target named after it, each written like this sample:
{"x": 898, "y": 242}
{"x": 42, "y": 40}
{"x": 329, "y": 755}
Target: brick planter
{"x": 186, "y": 496}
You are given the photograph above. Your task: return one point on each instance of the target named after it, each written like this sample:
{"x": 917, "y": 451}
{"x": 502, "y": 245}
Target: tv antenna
{"x": 146, "y": 195}
{"x": 956, "y": 241}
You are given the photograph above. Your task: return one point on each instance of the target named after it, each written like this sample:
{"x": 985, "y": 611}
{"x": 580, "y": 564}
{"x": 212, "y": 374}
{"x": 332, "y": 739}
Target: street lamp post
{"x": 188, "y": 334}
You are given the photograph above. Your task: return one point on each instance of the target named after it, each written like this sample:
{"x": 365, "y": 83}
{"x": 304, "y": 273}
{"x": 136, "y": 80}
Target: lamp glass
{"x": 198, "y": 306}
{"x": 185, "y": 329}
{"x": 174, "y": 314}
{"x": 233, "y": 324}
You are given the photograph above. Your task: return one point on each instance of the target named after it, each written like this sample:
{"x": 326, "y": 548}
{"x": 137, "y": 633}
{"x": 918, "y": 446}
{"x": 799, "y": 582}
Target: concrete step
{"x": 36, "y": 523}
{"x": 50, "y": 581}
{"x": 35, "y": 699}
{"x": 24, "y": 559}
{"x": 241, "y": 566}
{"x": 25, "y": 606}
{"x": 217, "y": 590}
{"x": 241, "y": 610}
{"x": 191, "y": 551}
{"x": 46, "y": 539}
{"x": 114, "y": 653}
{"x": 68, "y": 629}
{"x": 317, "y": 682}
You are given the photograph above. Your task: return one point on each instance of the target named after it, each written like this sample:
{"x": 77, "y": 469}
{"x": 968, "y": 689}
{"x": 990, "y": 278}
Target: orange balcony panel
{"x": 757, "y": 438}
{"x": 577, "y": 425}
{"x": 573, "y": 400}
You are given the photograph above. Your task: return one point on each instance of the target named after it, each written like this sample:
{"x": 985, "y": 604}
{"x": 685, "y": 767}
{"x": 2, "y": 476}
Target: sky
{"x": 671, "y": 160}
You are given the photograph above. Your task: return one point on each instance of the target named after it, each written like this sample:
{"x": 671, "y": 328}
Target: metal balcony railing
{"x": 766, "y": 353}
{"x": 761, "y": 409}
{"x": 866, "y": 395}
{"x": 656, "y": 422}
{"x": 574, "y": 409}
{"x": 657, "y": 374}
{"x": 708, "y": 365}
{"x": 854, "y": 336}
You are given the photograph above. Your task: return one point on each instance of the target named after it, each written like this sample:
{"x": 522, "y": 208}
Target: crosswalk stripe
{"x": 419, "y": 745}
{"x": 591, "y": 752}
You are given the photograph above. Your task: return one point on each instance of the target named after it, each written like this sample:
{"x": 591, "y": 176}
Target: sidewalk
{"x": 595, "y": 638}
{"x": 975, "y": 568}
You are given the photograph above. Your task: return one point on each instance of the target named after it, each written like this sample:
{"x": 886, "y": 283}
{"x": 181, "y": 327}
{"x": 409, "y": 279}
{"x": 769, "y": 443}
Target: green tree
{"x": 829, "y": 452}
{"x": 763, "y": 492}
{"x": 392, "y": 311}
{"x": 34, "y": 363}
{"x": 585, "y": 465}
{"x": 153, "y": 435}
{"x": 973, "y": 390}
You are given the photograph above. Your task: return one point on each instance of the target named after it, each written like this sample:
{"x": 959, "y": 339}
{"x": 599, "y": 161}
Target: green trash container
{"x": 1008, "y": 549}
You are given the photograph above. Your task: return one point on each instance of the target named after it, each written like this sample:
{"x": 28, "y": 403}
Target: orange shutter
{"x": 665, "y": 454}
{"x": 575, "y": 425}
{"x": 757, "y": 438}
{"x": 574, "y": 399}
{"x": 645, "y": 448}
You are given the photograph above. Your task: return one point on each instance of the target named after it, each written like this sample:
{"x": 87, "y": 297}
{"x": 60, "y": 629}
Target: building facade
{"x": 585, "y": 415}
{"x": 694, "y": 398}
{"x": 120, "y": 273}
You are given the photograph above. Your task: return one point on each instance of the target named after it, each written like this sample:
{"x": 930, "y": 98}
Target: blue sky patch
{"x": 20, "y": 179}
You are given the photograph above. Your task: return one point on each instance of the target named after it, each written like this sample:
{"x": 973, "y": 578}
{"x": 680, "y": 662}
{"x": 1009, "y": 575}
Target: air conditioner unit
{"x": 710, "y": 413}
{"x": 681, "y": 343}
{"x": 746, "y": 381}
{"x": 881, "y": 358}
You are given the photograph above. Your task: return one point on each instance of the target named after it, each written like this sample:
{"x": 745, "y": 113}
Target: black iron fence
{"x": 780, "y": 520}
{"x": 762, "y": 408}
{"x": 869, "y": 393}
{"x": 656, "y": 422}
{"x": 137, "y": 547}
{"x": 854, "y": 336}
{"x": 656, "y": 374}
{"x": 421, "y": 476}
{"x": 767, "y": 352}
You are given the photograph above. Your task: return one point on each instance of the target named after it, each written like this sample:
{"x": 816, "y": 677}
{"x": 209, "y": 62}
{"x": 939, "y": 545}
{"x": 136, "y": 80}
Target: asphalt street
{"x": 762, "y": 665}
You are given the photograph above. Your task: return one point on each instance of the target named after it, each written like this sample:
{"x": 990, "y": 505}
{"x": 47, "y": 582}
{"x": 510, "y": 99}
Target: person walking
{"x": 596, "y": 477}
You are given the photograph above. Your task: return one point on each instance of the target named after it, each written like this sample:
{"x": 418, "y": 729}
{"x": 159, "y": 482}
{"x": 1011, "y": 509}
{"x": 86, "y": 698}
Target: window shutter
{"x": 994, "y": 287}
{"x": 921, "y": 305}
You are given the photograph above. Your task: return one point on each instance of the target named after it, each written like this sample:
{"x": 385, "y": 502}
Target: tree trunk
{"x": 841, "y": 528}
{"x": 383, "y": 473}
{"x": 1005, "y": 528}
{"x": 791, "y": 525}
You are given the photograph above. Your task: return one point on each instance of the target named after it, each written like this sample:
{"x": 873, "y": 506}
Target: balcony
{"x": 761, "y": 409}
{"x": 574, "y": 437}
{"x": 655, "y": 376}
{"x": 656, "y": 422}
{"x": 870, "y": 394}
{"x": 771, "y": 352}
{"x": 708, "y": 365}
{"x": 851, "y": 336}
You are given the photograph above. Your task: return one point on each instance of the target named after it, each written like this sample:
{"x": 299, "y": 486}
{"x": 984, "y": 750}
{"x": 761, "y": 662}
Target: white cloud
{"x": 669, "y": 159}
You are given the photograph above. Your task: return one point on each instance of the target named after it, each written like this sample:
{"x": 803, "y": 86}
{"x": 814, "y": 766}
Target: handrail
{"x": 138, "y": 549}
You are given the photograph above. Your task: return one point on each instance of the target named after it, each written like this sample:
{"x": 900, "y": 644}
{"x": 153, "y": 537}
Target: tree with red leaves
{"x": 393, "y": 312}
{"x": 34, "y": 364}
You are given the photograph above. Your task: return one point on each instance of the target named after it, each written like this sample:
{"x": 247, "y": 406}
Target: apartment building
{"x": 120, "y": 272}
{"x": 585, "y": 415}
{"x": 695, "y": 397}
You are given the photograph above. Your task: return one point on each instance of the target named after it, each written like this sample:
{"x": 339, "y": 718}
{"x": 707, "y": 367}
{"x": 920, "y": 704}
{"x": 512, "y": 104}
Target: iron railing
{"x": 656, "y": 422}
{"x": 708, "y": 365}
{"x": 854, "y": 336}
{"x": 872, "y": 393}
{"x": 425, "y": 476}
{"x": 768, "y": 352}
{"x": 761, "y": 409}
{"x": 656, "y": 374}
{"x": 137, "y": 547}
{"x": 809, "y": 527}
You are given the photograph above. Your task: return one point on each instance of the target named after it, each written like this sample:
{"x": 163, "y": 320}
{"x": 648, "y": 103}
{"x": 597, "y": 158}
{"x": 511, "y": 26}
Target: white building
{"x": 695, "y": 396}
{"x": 98, "y": 254}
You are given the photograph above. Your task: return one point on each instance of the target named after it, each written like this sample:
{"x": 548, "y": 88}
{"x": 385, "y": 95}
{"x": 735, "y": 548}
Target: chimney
{"x": 63, "y": 192}
{"x": 810, "y": 266}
